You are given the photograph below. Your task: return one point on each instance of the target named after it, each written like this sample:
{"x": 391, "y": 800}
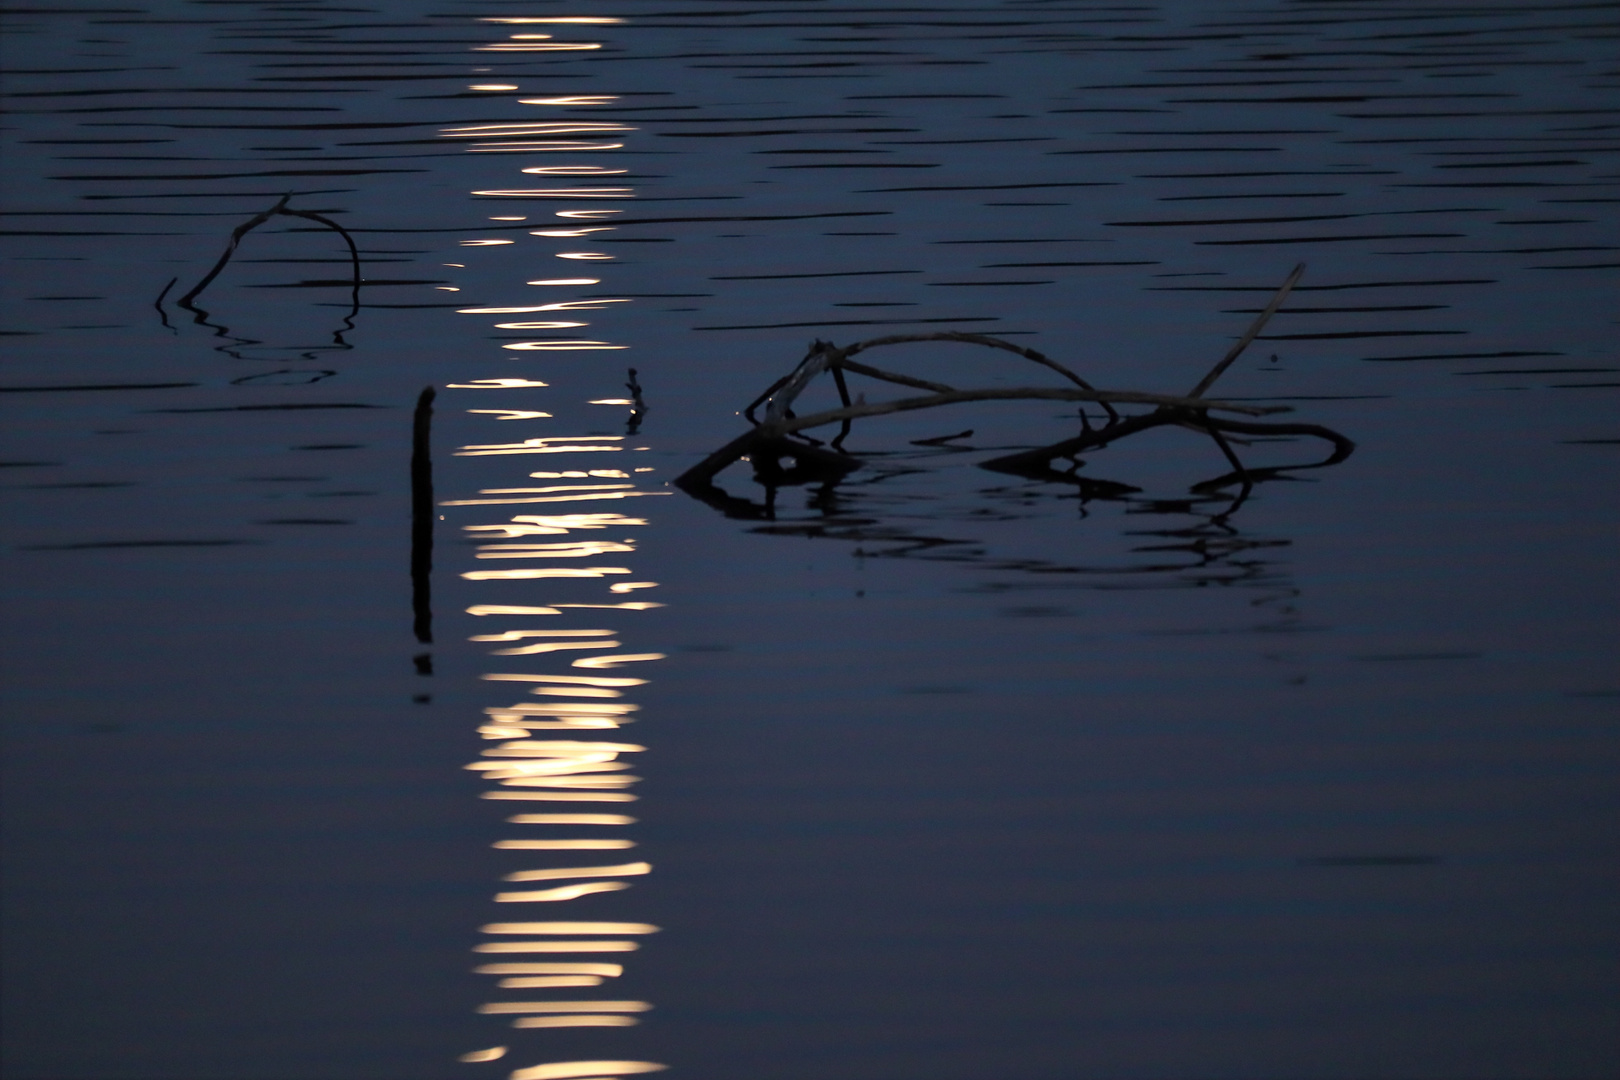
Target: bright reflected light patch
{"x": 497, "y": 384}
{"x": 536, "y": 982}
{"x": 494, "y": 1053}
{"x": 579, "y": 20}
{"x": 562, "y": 346}
{"x": 617, "y": 659}
{"x": 520, "y": 147}
{"x": 569, "y": 928}
{"x": 563, "y": 127}
{"x": 622, "y": 870}
{"x": 519, "y": 635}
{"x": 581, "y": 1020}
{"x": 561, "y": 193}
{"x": 562, "y": 892}
{"x": 511, "y": 414}
{"x": 508, "y": 1007}
{"x": 563, "y": 845}
{"x": 556, "y": 946}
{"x": 554, "y": 325}
{"x": 586, "y": 680}
{"x": 574, "y": 99}
{"x": 611, "y": 971}
{"x": 569, "y": 1070}
{"x": 561, "y": 796}
{"x": 537, "y": 46}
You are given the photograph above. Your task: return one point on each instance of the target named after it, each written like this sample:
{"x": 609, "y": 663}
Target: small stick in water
{"x": 422, "y": 516}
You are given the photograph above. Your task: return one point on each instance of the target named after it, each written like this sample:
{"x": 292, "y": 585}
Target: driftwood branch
{"x": 771, "y": 439}
{"x": 280, "y": 209}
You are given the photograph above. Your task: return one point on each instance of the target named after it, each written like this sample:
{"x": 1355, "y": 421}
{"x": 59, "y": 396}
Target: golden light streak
{"x": 571, "y": 819}
{"x": 569, "y": 928}
{"x": 561, "y": 796}
{"x": 555, "y": 946}
{"x": 611, "y": 971}
{"x": 570, "y": 746}
{"x": 553, "y": 325}
{"x": 525, "y": 575}
{"x": 537, "y": 982}
{"x": 620, "y": 870}
{"x": 536, "y": 708}
{"x": 519, "y": 635}
{"x": 578, "y": 345}
{"x": 555, "y": 127}
{"x": 582, "y": 20}
{"x": 525, "y": 147}
{"x": 562, "y": 892}
{"x": 563, "y": 845}
{"x": 572, "y": 233}
{"x": 615, "y": 660}
{"x": 582, "y": 1020}
{"x": 575, "y": 99}
{"x": 582, "y": 680}
{"x": 568, "y": 1070}
{"x": 561, "y": 193}
{"x": 537, "y": 46}
{"x": 592, "y": 782}
{"x": 509, "y": 1007}
{"x": 574, "y": 550}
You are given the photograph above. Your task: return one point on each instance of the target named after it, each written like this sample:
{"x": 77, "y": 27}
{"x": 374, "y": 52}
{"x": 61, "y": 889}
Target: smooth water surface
{"x": 932, "y": 772}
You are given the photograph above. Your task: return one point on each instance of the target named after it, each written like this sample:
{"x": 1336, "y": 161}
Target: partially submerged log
{"x": 778, "y": 436}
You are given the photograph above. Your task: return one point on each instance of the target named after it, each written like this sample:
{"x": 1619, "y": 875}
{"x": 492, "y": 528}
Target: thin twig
{"x": 978, "y": 339}
{"x": 889, "y": 376}
{"x": 230, "y": 249}
{"x": 1258, "y": 325}
{"x": 787, "y": 426}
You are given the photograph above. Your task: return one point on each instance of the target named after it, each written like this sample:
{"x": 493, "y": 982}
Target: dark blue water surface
{"x": 928, "y": 773}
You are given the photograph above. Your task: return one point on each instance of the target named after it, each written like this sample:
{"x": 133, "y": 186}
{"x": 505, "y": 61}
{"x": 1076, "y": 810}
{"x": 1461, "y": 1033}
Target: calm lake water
{"x": 930, "y": 773}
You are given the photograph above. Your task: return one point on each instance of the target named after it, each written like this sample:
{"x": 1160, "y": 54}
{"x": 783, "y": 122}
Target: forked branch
{"x": 769, "y": 440}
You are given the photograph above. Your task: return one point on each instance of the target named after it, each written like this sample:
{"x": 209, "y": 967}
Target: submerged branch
{"x": 770, "y": 439}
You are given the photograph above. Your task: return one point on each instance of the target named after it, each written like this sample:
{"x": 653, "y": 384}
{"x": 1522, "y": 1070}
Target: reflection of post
{"x": 422, "y": 516}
